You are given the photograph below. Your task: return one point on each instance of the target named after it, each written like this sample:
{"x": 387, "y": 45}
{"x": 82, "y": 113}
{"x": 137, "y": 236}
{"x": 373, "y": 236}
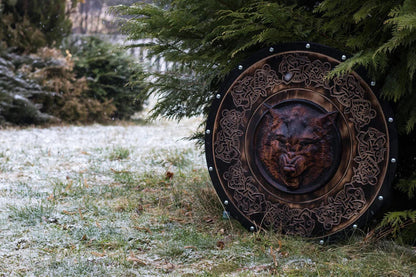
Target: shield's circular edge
{"x": 336, "y": 54}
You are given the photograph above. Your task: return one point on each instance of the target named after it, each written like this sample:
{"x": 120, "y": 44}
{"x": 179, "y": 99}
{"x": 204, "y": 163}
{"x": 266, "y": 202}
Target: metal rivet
{"x": 393, "y": 160}
{"x": 355, "y": 226}
{"x": 308, "y": 45}
{"x": 391, "y": 119}
{"x": 210, "y": 168}
{"x": 373, "y": 83}
{"x": 252, "y": 228}
{"x": 271, "y": 49}
{"x": 321, "y": 242}
{"x": 288, "y": 76}
{"x": 240, "y": 67}
{"x": 226, "y": 202}
{"x": 381, "y": 198}
{"x": 218, "y": 96}
{"x": 343, "y": 57}
{"x": 208, "y": 132}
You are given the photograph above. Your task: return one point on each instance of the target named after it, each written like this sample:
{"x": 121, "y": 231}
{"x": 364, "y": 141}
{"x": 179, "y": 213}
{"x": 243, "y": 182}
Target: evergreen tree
{"x": 28, "y": 25}
{"x": 205, "y": 39}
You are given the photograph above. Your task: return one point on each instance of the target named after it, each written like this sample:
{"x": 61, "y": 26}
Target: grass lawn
{"x": 99, "y": 201}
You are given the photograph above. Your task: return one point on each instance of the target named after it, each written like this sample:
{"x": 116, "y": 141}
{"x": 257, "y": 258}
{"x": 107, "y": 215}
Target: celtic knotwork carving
{"x": 235, "y": 177}
{"x": 246, "y": 194}
{"x": 248, "y": 90}
{"x": 346, "y": 204}
{"x": 249, "y": 200}
{"x": 291, "y": 221}
{"x": 349, "y": 92}
{"x": 371, "y": 151}
{"x": 298, "y": 68}
{"x": 346, "y": 88}
{"x": 227, "y": 145}
{"x": 361, "y": 111}
{"x": 317, "y": 73}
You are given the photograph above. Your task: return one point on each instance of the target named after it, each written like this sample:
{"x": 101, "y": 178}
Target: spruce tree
{"x": 205, "y": 39}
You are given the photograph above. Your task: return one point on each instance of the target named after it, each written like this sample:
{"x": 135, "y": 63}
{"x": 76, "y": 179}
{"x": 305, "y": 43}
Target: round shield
{"x": 292, "y": 150}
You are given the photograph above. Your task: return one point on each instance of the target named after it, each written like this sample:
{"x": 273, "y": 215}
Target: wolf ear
{"x": 327, "y": 120}
{"x": 276, "y": 115}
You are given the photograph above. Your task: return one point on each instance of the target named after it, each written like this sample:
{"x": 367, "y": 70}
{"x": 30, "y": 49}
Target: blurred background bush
{"x": 49, "y": 75}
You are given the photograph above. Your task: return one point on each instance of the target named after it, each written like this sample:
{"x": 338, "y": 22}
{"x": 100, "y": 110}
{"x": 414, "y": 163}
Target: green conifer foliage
{"x": 108, "y": 70}
{"x": 28, "y": 25}
{"x": 205, "y": 39}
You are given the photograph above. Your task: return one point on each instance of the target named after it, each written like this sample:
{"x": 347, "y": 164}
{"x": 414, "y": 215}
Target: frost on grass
{"x": 50, "y": 176}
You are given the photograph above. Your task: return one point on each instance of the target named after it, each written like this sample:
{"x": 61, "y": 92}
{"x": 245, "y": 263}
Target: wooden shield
{"x": 291, "y": 150}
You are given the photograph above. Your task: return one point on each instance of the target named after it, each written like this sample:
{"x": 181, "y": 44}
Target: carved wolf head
{"x": 296, "y": 146}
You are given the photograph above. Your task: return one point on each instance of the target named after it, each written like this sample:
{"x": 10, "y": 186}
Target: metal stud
{"x": 226, "y": 202}
{"x": 271, "y": 49}
{"x": 210, "y": 168}
{"x": 380, "y": 198}
{"x": 240, "y": 67}
{"x": 208, "y": 132}
{"x": 391, "y": 119}
{"x": 252, "y": 228}
{"x": 343, "y": 57}
{"x": 218, "y": 96}
{"x": 307, "y": 46}
{"x": 373, "y": 83}
{"x": 321, "y": 242}
{"x": 355, "y": 226}
{"x": 393, "y": 160}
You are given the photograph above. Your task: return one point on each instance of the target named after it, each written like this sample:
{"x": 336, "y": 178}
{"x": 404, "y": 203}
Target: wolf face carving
{"x": 296, "y": 145}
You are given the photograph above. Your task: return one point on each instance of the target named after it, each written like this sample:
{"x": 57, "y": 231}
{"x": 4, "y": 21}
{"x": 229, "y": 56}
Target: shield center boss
{"x": 292, "y": 150}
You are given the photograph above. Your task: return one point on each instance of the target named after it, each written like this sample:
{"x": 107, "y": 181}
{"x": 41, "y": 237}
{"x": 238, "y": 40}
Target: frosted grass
{"x": 32, "y": 158}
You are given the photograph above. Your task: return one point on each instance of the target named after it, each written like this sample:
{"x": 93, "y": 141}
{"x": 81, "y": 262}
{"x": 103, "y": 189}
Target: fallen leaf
{"x": 171, "y": 218}
{"x": 143, "y": 228}
{"x": 220, "y": 244}
{"x": 68, "y": 187}
{"x": 284, "y": 254}
{"x": 133, "y": 258}
{"x": 50, "y": 197}
{"x": 169, "y": 175}
{"x": 273, "y": 254}
{"x": 68, "y": 213}
{"x": 139, "y": 209}
{"x": 188, "y": 213}
{"x": 97, "y": 254}
{"x": 80, "y": 213}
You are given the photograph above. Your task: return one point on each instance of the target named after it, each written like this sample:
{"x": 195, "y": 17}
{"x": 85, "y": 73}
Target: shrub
{"x": 108, "y": 70}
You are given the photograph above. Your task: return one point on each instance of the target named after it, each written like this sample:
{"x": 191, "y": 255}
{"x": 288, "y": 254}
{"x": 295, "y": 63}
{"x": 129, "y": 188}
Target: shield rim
{"x": 338, "y": 55}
